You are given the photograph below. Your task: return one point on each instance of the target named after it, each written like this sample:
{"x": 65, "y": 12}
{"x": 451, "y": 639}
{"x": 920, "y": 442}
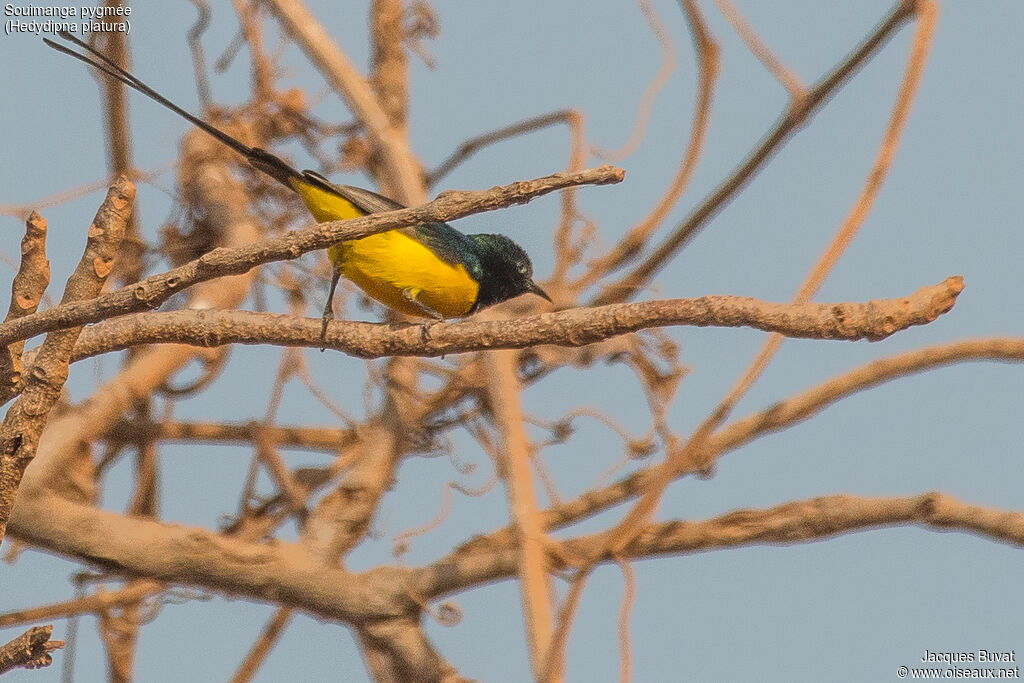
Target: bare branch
{"x": 873, "y": 320}
{"x": 474, "y": 144}
{"x": 808, "y": 520}
{"x": 261, "y": 648}
{"x": 694, "y": 451}
{"x": 795, "y": 117}
{"x": 26, "y": 291}
{"x": 401, "y": 176}
{"x": 23, "y": 425}
{"x": 311, "y": 438}
{"x": 134, "y": 591}
{"x": 778, "y": 416}
{"x": 534, "y": 582}
{"x": 630, "y": 245}
{"x": 787, "y": 78}
{"x": 30, "y": 650}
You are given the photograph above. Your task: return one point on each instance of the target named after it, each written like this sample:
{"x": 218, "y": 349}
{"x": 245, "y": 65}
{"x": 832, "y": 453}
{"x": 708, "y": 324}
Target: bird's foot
{"x": 327, "y": 318}
{"x": 425, "y": 328}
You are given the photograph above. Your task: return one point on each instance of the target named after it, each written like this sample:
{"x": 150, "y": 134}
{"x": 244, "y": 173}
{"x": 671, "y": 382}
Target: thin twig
{"x": 792, "y": 119}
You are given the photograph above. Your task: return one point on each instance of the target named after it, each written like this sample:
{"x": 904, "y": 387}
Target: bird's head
{"x": 507, "y": 271}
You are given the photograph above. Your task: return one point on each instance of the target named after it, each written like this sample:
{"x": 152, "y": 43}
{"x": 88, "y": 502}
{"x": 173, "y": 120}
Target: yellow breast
{"x": 391, "y": 266}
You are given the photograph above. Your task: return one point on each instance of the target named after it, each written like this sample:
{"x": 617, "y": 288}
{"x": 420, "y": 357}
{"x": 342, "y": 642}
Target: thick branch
{"x": 873, "y": 320}
{"x": 23, "y": 425}
{"x": 534, "y": 582}
{"x": 281, "y": 573}
{"x": 154, "y": 290}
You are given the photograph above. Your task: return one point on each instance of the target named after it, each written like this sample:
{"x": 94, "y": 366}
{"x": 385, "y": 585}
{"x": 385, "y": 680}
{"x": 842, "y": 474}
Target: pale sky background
{"x": 853, "y": 608}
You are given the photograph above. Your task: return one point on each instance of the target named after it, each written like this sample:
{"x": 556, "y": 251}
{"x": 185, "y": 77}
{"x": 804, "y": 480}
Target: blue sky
{"x": 847, "y": 609}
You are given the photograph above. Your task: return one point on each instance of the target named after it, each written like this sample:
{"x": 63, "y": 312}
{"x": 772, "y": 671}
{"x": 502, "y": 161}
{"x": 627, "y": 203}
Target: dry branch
{"x": 873, "y": 320}
{"x": 779, "y": 416}
{"x": 261, "y": 648}
{"x": 793, "y": 118}
{"x": 708, "y": 56}
{"x": 26, "y": 291}
{"x": 534, "y": 581}
{"x": 24, "y": 422}
{"x": 30, "y": 650}
{"x": 808, "y": 520}
{"x": 311, "y": 438}
{"x": 695, "y": 452}
{"x": 400, "y": 176}
{"x": 132, "y": 592}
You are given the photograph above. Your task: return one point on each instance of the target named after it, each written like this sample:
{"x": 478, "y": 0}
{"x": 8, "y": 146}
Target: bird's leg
{"x": 329, "y": 308}
{"x": 433, "y": 316}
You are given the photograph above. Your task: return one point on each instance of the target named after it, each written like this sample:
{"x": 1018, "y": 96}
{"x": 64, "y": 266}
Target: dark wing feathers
{"x": 364, "y": 200}
{"x": 451, "y": 246}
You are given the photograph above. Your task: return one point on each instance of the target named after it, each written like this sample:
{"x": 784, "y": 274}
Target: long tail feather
{"x": 259, "y": 158}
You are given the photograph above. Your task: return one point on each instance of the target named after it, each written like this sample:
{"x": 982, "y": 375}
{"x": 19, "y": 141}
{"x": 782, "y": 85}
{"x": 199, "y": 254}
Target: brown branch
{"x": 154, "y": 290}
{"x": 311, "y": 438}
{"x": 792, "y": 120}
{"x": 400, "y": 177}
{"x": 708, "y": 56}
{"x": 669, "y": 59}
{"x": 795, "y": 409}
{"x": 266, "y": 451}
{"x": 628, "y": 598}
{"x": 30, "y": 650}
{"x": 262, "y": 73}
{"x": 132, "y": 592}
{"x": 695, "y": 451}
{"x": 26, "y": 291}
{"x": 554, "y": 667}
{"x": 473, "y": 145}
{"x": 281, "y": 573}
{"x": 799, "y": 521}
{"x": 261, "y": 648}
{"x": 24, "y": 422}
{"x": 62, "y": 196}
{"x": 821, "y": 518}
{"x": 341, "y": 519}
{"x": 119, "y": 144}
{"x": 389, "y": 68}
{"x": 771, "y": 62}
{"x": 212, "y": 190}
{"x": 812, "y": 401}
{"x": 398, "y": 650}
{"x": 776, "y": 417}
{"x": 534, "y": 581}
{"x": 873, "y": 320}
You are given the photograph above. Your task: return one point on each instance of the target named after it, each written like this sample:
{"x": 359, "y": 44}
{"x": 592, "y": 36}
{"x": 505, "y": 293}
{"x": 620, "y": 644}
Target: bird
{"x": 430, "y": 271}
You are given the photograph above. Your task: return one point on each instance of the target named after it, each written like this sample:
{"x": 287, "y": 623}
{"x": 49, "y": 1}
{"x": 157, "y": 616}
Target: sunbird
{"x": 429, "y": 271}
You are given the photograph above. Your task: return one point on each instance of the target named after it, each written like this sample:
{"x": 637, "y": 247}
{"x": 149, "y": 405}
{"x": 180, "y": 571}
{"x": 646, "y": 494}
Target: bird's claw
{"x": 425, "y": 328}
{"x": 327, "y": 318}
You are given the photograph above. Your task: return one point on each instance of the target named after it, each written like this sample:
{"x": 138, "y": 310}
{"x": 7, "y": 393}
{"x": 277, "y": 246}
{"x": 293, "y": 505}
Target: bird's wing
{"x": 366, "y": 201}
{"x": 449, "y": 244}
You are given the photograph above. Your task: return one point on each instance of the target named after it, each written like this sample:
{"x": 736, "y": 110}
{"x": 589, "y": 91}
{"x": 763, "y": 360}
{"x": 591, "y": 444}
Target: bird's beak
{"x": 535, "y": 288}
